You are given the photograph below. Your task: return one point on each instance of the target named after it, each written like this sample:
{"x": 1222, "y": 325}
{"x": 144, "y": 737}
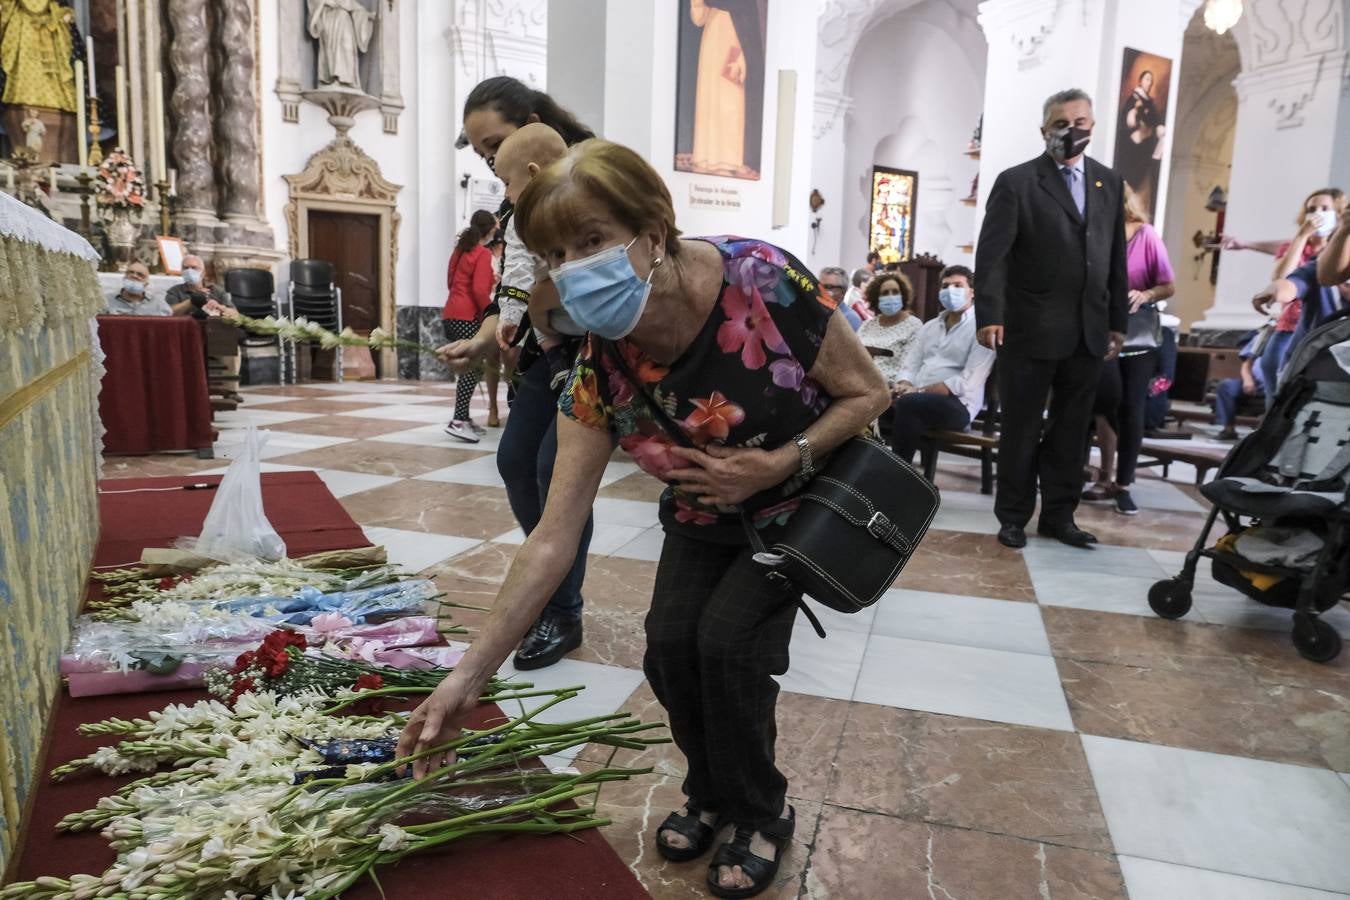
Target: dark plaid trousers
{"x": 717, "y": 632}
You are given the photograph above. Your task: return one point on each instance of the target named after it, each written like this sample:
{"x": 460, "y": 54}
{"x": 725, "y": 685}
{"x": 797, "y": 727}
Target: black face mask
{"x": 1067, "y": 143}
{"x": 491, "y": 163}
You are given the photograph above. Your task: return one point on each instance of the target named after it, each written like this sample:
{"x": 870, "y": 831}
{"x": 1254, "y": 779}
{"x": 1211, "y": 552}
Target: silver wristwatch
{"x": 808, "y": 469}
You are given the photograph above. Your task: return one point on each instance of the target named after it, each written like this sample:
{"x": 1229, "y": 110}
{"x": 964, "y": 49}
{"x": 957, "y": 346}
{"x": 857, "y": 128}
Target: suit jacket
{"x": 1055, "y": 280}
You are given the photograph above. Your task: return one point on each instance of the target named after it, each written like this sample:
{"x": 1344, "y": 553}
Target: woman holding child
{"x": 720, "y": 366}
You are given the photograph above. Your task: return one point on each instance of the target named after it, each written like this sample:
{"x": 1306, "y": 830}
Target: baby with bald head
{"x": 524, "y": 154}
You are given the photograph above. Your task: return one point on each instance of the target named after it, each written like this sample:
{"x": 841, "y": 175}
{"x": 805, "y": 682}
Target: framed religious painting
{"x": 1141, "y": 123}
{"x": 171, "y": 253}
{"x": 719, "y": 93}
{"x": 890, "y": 223}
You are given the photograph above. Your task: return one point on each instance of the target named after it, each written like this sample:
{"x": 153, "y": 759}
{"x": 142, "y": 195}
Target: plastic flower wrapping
{"x": 118, "y": 182}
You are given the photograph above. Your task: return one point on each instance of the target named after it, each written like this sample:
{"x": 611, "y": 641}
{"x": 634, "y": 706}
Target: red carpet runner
{"x": 310, "y": 520}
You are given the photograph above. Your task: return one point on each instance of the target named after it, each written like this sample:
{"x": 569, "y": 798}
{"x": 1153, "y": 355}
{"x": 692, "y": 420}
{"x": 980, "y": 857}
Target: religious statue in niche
{"x": 343, "y": 29}
{"x": 35, "y": 57}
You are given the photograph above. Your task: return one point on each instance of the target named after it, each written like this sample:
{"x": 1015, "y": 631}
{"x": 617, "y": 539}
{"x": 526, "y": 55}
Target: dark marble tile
{"x": 455, "y": 509}
{"x": 638, "y": 486}
{"x": 976, "y": 565}
{"x": 346, "y": 426}
{"x": 381, "y": 458}
{"x": 157, "y": 465}
{"x": 1143, "y": 641}
{"x": 1030, "y": 783}
{"x": 921, "y": 860}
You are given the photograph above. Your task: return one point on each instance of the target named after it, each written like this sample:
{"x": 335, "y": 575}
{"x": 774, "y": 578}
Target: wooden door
{"x": 350, "y": 241}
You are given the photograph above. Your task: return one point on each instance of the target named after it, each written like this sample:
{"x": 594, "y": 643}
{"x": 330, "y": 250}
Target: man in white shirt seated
{"x": 134, "y": 298}
{"x": 942, "y": 385}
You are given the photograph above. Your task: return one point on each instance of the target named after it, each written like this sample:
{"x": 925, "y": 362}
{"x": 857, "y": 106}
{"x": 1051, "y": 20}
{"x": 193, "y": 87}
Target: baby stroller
{"x": 1291, "y": 476}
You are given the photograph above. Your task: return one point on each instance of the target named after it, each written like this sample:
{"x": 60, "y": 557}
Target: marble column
{"x": 189, "y": 107}
{"x": 236, "y": 136}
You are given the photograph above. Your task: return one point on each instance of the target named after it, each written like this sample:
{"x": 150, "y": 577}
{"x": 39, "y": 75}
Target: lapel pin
{"x": 1099, "y": 184}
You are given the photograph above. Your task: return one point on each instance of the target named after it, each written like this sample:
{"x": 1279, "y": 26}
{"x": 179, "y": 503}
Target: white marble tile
{"x": 1017, "y": 688}
{"x": 967, "y": 520}
{"x": 1046, "y": 555}
{"x": 264, "y": 466}
{"x": 405, "y": 412}
{"x": 1249, "y": 817}
{"x": 606, "y": 689}
{"x": 968, "y": 621}
{"x": 360, "y": 387}
{"x": 832, "y": 620}
{"x": 251, "y": 399}
{"x": 1148, "y": 879}
{"x": 617, "y": 470}
{"x": 646, "y": 546}
{"x": 414, "y": 551}
{"x": 377, "y": 399}
{"x": 626, "y": 512}
{"x": 480, "y": 471}
{"x": 243, "y": 416}
{"x": 606, "y": 537}
{"x": 1225, "y": 606}
{"x": 1096, "y": 591}
{"x": 434, "y": 436}
{"x": 823, "y": 668}
{"x": 230, "y": 443}
{"x": 343, "y": 484}
{"x": 1154, "y": 493}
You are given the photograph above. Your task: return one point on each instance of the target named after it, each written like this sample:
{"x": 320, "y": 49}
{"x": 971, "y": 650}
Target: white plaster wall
{"x": 640, "y": 51}
{"x": 576, "y": 71}
{"x": 287, "y": 147}
{"x": 917, "y": 83}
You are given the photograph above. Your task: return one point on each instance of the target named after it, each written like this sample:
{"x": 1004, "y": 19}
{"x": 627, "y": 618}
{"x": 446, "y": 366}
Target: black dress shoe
{"x": 1067, "y": 533}
{"x": 551, "y": 638}
{"x": 1012, "y": 536}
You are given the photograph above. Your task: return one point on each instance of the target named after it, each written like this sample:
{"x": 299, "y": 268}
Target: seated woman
{"x": 723, "y": 369}
{"x": 942, "y": 383}
{"x": 889, "y": 334}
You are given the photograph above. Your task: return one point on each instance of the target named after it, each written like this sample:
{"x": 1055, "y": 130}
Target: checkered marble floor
{"x": 1001, "y": 725}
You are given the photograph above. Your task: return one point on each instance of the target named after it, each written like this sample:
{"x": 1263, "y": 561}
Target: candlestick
{"x": 123, "y": 134}
{"x": 51, "y": 173}
{"x": 89, "y": 56}
{"x": 162, "y": 193}
{"x": 84, "y": 190}
{"x": 81, "y": 132}
{"x": 95, "y": 150}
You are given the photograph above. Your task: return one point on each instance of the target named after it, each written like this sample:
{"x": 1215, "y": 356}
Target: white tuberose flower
{"x": 393, "y": 837}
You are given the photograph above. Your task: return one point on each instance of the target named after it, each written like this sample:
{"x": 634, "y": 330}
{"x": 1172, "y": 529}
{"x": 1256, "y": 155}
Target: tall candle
{"x": 81, "y": 131}
{"x": 123, "y": 135}
{"x": 89, "y": 55}
{"x": 52, "y": 172}
{"x": 9, "y": 179}
{"x": 161, "y": 167}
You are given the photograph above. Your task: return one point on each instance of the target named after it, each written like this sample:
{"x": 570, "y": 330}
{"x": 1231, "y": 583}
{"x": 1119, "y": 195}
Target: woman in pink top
{"x": 1123, "y": 389}
{"x": 469, "y": 282}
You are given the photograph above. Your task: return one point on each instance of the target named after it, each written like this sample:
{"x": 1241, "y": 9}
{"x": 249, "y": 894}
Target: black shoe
{"x": 1067, "y": 533}
{"x": 1125, "y": 504}
{"x": 1012, "y": 536}
{"x": 551, "y": 638}
{"x": 761, "y": 871}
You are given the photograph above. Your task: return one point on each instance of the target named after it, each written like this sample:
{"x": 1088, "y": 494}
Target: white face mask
{"x": 1323, "y": 221}
{"x": 192, "y": 276}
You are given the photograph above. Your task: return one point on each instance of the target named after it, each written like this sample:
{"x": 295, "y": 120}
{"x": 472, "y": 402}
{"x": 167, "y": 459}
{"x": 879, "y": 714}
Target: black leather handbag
{"x": 859, "y": 522}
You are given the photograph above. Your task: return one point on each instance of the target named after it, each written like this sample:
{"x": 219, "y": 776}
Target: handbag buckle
{"x": 879, "y": 526}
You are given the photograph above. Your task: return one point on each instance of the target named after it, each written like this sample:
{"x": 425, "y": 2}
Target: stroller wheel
{"x": 1314, "y": 639}
{"x": 1170, "y": 598}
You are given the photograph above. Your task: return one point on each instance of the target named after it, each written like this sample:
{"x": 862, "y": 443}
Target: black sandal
{"x": 698, "y": 833}
{"x": 736, "y": 852}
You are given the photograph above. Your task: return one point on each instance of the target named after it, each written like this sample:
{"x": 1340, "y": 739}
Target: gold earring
{"x": 656, "y": 262}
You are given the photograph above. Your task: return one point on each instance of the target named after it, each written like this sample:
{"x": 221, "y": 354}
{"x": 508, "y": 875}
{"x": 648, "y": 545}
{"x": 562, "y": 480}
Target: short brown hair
{"x": 604, "y": 172}
{"x": 873, "y": 293}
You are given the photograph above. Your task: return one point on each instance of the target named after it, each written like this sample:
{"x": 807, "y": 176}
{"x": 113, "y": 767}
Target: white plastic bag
{"x": 235, "y": 526}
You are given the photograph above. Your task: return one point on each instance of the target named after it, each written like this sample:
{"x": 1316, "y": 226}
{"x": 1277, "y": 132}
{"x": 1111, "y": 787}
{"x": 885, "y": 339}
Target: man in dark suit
{"x": 1053, "y": 300}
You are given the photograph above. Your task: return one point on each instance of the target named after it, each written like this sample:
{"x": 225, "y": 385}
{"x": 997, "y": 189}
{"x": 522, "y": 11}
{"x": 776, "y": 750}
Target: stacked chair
{"x": 253, "y": 293}
{"x": 314, "y": 296}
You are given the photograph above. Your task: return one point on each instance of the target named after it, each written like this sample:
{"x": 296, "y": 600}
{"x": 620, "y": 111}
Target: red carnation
{"x": 241, "y": 686}
{"x": 243, "y": 661}
{"x": 368, "y": 682}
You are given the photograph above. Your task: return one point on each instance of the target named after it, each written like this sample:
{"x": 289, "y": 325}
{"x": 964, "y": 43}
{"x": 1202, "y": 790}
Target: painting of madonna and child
{"x": 719, "y": 109}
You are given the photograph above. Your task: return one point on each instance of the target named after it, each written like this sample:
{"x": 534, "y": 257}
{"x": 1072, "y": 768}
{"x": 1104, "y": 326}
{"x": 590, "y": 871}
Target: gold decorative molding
{"x": 35, "y": 390}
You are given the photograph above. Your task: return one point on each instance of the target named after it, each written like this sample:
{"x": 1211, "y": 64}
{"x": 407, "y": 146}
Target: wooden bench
{"x": 1164, "y": 453}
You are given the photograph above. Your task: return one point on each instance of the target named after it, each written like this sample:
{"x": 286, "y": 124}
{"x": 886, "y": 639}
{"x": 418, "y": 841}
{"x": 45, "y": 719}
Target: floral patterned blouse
{"x": 741, "y": 383}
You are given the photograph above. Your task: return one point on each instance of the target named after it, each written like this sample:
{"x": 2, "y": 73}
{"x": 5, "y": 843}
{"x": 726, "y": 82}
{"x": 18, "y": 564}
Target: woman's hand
{"x": 461, "y": 356}
{"x": 438, "y": 720}
{"x": 1138, "y": 299}
{"x": 728, "y": 475}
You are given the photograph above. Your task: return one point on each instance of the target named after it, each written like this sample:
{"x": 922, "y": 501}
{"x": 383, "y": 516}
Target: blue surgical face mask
{"x": 952, "y": 298}
{"x": 890, "y": 304}
{"x": 602, "y": 293}
{"x": 133, "y": 287}
{"x": 192, "y": 276}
